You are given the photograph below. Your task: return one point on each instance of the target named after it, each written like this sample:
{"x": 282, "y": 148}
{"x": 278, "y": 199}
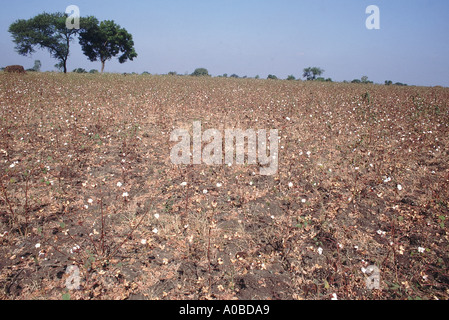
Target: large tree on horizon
{"x": 105, "y": 40}
{"x": 312, "y": 72}
{"x": 44, "y": 31}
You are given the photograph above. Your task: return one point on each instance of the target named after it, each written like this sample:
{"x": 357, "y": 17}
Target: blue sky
{"x": 261, "y": 37}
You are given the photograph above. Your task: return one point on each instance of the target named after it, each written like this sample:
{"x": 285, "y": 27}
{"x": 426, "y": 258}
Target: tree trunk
{"x": 65, "y": 66}
{"x": 102, "y": 66}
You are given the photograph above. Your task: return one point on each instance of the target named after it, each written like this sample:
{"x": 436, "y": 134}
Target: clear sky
{"x": 261, "y": 37}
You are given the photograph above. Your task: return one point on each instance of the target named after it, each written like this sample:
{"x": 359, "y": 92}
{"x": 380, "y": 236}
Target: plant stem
{"x": 5, "y": 195}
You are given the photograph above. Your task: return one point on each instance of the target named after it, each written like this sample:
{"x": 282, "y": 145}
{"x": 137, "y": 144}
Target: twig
{"x": 102, "y": 226}
{"x": 5, "y": 195}
{"x": 208, "y": 259}
{"x": 13, "y": 280}
{"x": 126, "y": 238}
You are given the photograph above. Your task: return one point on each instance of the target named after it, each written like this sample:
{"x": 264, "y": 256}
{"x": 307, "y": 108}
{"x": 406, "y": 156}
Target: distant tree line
{"x": 310, "y": 74}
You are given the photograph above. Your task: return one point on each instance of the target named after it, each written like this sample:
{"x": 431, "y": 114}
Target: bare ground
{"x": 362, "y": 180}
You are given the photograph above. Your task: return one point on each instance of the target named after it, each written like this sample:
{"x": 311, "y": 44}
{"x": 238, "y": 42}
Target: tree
{"x": 388, "y": 82}
{"x": 312, "y": 72}
{"x": 44, "y": 31}
{"x": 272, "y": 77}
{"x": 105, "y": 40}
{"x": 37, "y": 66}
{"x": 291, "y": 77}
{"x": 200, "y": 72}
{"x": 364, "y": 79}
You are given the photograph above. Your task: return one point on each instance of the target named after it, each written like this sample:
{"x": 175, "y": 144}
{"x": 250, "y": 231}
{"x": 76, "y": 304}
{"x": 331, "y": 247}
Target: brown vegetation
{"x": 15, "y": 69}
{"x": 86, "y": 180}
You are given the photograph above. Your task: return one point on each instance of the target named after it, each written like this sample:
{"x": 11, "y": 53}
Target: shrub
{"x": 234, "y": 75}
{"x": 201, "y": 72}
{"x": 15, "y": 69}
{"x": 80, "y": 70}
{"x": 291, "y": 78}
{"x": 93, "y": 71}
{"x": 272, "y": 77}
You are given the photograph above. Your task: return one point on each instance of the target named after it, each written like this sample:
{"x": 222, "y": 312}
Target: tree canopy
{"x": 105, "y": 40}
{"x": 200, "y": 72}
{"x": 312, "y": 72}
{"x": 44, "y": 31}
{"x": 99, "y": 41}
